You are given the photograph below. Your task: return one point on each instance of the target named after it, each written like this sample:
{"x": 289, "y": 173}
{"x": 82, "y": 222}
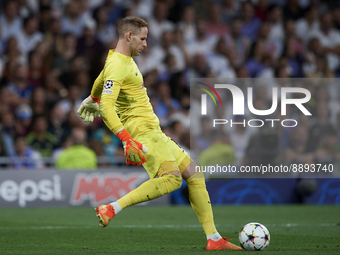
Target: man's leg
{"x": 169, "y": 180}
{"x": 152, "y": 189}
{"x": 200, "y": 202}
{"x": 199, "y": 197}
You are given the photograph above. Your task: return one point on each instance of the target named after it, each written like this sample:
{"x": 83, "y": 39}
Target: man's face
{"x": 22, "y": 72}
{"x": 40, "y": 125}
{"x": 31, "y": 26}
{"x": 326, "y": 22}
{"x": 236, "y": 27}
{"x": 248, "y": 11}
{"x": 11, "y": 10}
{"x": 138, "y": 41}
{"x": 20, "y": 146}
{"x": 167, "y": 39}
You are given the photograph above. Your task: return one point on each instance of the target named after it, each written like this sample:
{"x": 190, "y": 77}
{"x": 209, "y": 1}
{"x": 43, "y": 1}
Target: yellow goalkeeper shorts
{"x": 164, "y": 155}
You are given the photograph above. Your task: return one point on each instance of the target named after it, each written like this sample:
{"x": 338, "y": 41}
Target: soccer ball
{"x": 254, "y": 237}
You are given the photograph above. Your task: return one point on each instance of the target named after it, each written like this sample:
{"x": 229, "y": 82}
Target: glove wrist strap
{"x": 95, "y": 99}
{"x": 123, "y": 135}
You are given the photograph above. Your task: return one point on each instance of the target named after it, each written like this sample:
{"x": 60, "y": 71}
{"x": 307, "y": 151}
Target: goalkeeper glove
{"x": 89, "y": 109}
{"x": 132, "y": 149}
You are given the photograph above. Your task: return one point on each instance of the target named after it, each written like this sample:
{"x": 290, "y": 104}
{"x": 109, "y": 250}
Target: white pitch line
{"x": 150, "y": 226}
{"x": 228, "y": 225}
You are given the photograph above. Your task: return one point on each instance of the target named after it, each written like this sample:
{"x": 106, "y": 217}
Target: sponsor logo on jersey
{"x": 107, "y": 91}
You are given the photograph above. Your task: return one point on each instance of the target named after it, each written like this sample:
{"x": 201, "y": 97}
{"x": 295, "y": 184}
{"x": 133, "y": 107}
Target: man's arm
{"x": 106, "y": 107}
{"x": 132, "y": 148}
{"x": 97, "y": 87}
{"x": 89, "y": 108}
{"x": 108, "y": 93}
{"x": 113, "y": 76}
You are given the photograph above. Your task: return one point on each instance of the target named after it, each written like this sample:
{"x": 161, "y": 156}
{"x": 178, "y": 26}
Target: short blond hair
{"x": 131, "y": 23}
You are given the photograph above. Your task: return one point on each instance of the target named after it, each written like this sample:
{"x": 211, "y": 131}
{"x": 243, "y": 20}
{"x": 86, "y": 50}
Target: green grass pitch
{"x": 165, "y": 230}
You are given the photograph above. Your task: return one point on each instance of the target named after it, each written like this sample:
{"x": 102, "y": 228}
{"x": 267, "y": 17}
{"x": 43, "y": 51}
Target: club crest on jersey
{"x": 108, "y": 84}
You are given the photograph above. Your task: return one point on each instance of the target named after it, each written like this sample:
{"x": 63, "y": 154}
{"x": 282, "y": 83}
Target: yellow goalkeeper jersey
{"x": 121, "y": 88}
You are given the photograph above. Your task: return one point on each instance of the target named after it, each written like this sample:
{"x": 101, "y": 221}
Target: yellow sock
{"x": 151, "y": 189}
{"x": 200, "y": 202}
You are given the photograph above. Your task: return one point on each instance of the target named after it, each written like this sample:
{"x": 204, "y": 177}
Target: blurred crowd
{"x": 51, "y": 51}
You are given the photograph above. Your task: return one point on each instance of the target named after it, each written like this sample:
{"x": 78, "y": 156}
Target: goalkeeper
{"x": 120, "y": 87}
